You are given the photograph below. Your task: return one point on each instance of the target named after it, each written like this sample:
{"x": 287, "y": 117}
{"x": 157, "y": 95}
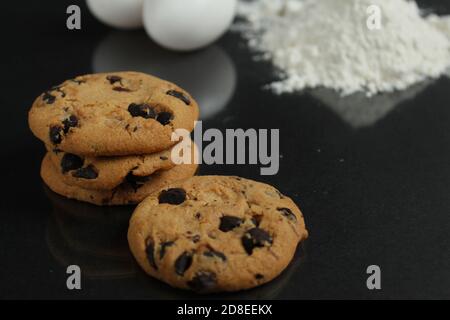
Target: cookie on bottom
{"x": 216, "y": 233}
{"x": 123, "y": 194}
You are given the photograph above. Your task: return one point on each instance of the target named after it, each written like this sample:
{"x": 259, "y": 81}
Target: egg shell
{"x": 187, "y": 25}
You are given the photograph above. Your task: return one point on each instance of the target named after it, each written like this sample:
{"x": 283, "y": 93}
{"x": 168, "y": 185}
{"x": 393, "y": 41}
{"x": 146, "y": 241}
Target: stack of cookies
{"x": 109, "y": 136}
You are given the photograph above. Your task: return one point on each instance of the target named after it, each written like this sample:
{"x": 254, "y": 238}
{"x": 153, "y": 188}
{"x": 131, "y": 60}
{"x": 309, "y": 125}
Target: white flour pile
{"x": 326, "y": 43}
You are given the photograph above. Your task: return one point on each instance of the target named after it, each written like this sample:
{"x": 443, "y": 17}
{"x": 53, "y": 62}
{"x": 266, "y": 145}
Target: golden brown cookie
{"x": 216, "y": 233}
{"x": 112, "y": 114}
{"x": 125, "y": 193}
{"x": 109, "y": 172}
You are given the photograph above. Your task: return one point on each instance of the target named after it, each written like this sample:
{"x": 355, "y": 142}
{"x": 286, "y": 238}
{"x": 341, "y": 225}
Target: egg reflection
{"x": 209, "y": 74}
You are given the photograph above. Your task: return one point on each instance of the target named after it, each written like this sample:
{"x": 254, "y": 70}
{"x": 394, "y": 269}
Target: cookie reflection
{"x": 91, "y": 237}
{"x": 209, "y": 75}
{"x": 360, "y": 111}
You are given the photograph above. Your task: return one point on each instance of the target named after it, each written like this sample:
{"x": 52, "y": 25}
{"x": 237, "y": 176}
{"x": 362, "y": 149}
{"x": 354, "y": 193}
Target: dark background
{"x": 378, "y": 194}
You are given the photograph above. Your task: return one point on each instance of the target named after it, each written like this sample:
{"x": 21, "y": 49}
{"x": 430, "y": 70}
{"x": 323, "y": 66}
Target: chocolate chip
{"x": 203, "y": 281}
{"x": 71, "y": 162}
{"x": 196, "y": 238}
{"x": 142, "y": 110}
{"x": 48, "y": 98}
{"x": 121, "y": 89}
{"x": 198, "y": 215}
{"x": 164, "y": 246}
{"x": 287, "y": 213}
{"x": 215, "y": 254}
{"x": 113, "y": 79}
{"x": 89, "y": 173}
{"x": 228, "y": 223}
{"x": 256, "y": 220}
{"x": 259, "y": 276}
{"x": 136, "y": 181}
{"x": 183, "y": 263}
{"x": 255, "y": 238}
{"x": 150, "y": 251}
{"x": 55, "y": 134}
{"x": 164, "y": 118}
{"x": 179, "y": 95}
{"x": 173, "y": 196}
{"x": 70, "y": 122}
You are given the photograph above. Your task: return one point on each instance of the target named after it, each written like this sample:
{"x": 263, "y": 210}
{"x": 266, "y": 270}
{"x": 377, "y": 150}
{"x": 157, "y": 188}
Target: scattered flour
{"x": 326, "y": 43}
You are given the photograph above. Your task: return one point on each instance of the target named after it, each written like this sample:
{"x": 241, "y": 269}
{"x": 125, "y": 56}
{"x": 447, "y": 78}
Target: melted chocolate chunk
{"x": 228, "y": 223}
{"x": 121, "y": 89}
{"x": 215, "y": 254}
{"x": 164, "y": 118}
{"x": 287, "y": 213}
{"x": 256, "y": 220}
{"x": 150, "y": 251}
{"x": 164, "y": 246}
{"x": 255, "y": 238}
{"x": 48, "y": 98}
{"x": 203, "y": 281}
{"x": 70, "y": 122}
{"x": 142, "y": 110}
{"x": 89, "y": 173}
{"x": 55, "y": 134}
{"x": 173, "y": 196}
{"x": 179, "y": 95}
{"x": 71, "y": 162}
{"x": 136, "y": 181}
{"x": 183, "y": 263}
{"x": 113, "y": 79}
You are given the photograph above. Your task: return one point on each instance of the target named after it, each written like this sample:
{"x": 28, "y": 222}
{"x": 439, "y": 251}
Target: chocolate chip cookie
{"x": 109, "y": 172}
{"x": 216, "y": 233}
{"x": 126, "y": 193}
{"x": 115, "y": 114}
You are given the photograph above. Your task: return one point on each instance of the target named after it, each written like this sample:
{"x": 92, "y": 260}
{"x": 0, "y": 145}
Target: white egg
{"x": 122, "y": 14}
{"x": 187, "y": 25}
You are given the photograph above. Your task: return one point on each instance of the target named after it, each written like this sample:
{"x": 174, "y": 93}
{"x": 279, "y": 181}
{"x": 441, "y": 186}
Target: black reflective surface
{"x": 371, "y": 176}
